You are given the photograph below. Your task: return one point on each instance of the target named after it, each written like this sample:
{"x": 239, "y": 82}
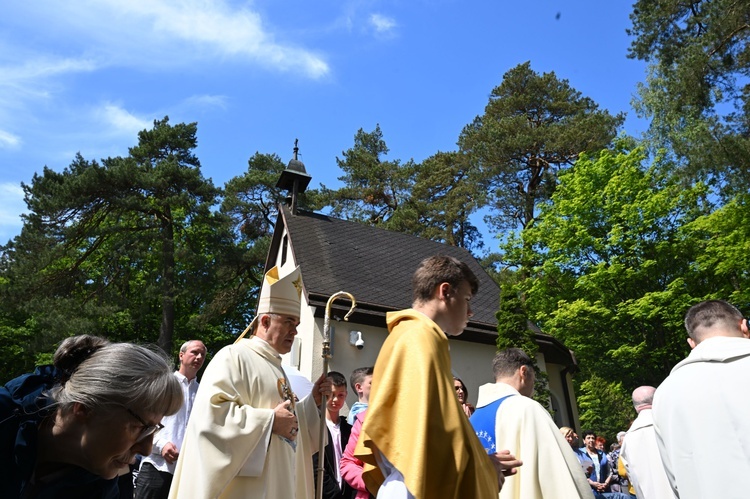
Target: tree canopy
{"x": 374, "y": 189}
{"x": 533, "y": 127}
{"x": 697, "y": 93}
{"x": 614, "y": 269}
{"x": 129, "y": 248}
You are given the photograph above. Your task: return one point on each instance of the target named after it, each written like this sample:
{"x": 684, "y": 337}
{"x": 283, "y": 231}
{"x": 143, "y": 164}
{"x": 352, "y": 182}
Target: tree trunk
{"x": 166, "y": 331}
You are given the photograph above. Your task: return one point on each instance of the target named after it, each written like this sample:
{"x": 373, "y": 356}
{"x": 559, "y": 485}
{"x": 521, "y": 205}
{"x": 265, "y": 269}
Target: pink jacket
{"x": 350, "y": 466}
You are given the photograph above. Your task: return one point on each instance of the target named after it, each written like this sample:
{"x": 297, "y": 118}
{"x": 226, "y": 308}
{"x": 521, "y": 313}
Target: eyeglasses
{"x": 147, "y": 430}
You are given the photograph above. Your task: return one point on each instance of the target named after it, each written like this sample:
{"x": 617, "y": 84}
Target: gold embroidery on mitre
{"x": 298, "y": 285}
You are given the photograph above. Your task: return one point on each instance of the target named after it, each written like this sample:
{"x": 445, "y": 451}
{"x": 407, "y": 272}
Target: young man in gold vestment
{"x": 416, "y": 441}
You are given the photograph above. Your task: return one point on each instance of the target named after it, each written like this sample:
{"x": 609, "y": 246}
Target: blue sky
{"x": 86, "y": 75}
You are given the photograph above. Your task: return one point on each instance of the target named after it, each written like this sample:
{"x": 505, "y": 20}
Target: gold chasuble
{"x": 415, "y": 421}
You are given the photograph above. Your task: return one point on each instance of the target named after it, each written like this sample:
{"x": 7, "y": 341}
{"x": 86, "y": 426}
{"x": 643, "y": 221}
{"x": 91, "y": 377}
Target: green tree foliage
{"x": 613, "y": 269}
{"x": 605, "y": 407}
{"x": 374, "y": 189}
{"x": 19, "y": 346}
{"x": 701, "y": 47}
{"x": 251, "y": 199}
{"x": 172, "y": 190}
{"x": 722, "y": 240}
{"x": 441, "y": 202}
{"x": 533, "y": 127}
{"x": 433, "y": 199}
{"x": 128, "y": 248}
{"x": 697, "y": 93}
{"x": 513, "y": 323}
{"x": 515, "y": 331}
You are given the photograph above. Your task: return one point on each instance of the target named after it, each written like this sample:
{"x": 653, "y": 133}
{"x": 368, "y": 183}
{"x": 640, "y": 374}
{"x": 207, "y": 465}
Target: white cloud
{"x": 174, "y": 32}
{"x": 119, "y": 121}
{"x": 208, "y": 101}
{"x": 41, "y": 68}
{"x": 33, "y": 80}
{"x": 382, "y": 24}
{"x": 8, "y": 140}
{"x": 30, "y": 78}
{"x": 48, "y": 46}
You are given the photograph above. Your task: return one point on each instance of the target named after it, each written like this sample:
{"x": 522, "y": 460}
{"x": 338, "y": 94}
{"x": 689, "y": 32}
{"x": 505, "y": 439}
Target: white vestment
{"x": 702, "y": 420}
{"x": 550, "y": 468}
{"x": 229, "y": 450}
{"x": 640, "y": 456}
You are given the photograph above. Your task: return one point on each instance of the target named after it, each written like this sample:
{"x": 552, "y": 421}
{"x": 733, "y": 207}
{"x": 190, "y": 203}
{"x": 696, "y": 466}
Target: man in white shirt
{"x": 157, "y": 469}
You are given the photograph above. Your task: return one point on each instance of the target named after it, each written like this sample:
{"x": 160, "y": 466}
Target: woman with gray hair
{"x": 67, "y": 429}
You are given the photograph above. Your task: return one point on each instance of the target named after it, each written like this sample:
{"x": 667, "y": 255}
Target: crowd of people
{"x": 76, "y": 428}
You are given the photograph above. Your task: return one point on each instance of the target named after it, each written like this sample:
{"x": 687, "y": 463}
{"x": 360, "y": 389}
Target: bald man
{"x": 640, "y": 452}
{"x": 701, "y": 410}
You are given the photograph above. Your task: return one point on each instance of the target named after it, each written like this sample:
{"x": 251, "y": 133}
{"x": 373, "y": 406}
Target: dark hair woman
{"x": 463, "y": 396}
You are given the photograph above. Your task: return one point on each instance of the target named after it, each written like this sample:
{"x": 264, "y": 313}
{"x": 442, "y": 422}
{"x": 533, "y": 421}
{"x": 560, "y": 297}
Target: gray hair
{"x": 99, "y": 374}
{"x": 185, "y": 345}
{"x": 643, "y": 397}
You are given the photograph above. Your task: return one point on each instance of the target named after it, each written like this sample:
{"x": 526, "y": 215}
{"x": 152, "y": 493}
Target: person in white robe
{"x": 701, "y": 410}
{"x": 247, "y": 435}
{"x": 550, "y": 468}
{"x": 640, "y": 453}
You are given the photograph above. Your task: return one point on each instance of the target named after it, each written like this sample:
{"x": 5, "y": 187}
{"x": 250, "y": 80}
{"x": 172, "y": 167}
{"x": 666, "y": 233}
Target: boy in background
{"x": 360, "y": 381}
{"x": 338, "y": 436}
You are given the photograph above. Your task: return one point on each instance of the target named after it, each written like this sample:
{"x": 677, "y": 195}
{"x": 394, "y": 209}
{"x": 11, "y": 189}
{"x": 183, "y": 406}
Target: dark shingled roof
{"x": 376, "y": 266}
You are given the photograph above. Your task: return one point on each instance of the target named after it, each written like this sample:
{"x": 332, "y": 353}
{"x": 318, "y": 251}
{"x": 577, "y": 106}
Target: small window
{"x": 284, "y": 244}
{"x": 558, "y": 417}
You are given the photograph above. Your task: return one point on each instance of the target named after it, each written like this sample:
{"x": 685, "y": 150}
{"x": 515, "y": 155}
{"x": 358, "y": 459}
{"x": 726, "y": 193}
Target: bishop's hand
{"x": 285, "y": 423}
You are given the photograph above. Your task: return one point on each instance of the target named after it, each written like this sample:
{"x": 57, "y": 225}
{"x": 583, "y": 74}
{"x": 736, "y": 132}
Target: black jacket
{"x": 331, "y": 489}
{"x": 23, "y": 407}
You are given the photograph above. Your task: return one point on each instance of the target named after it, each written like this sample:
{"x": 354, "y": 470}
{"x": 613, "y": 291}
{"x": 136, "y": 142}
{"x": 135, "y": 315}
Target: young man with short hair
{"x": 701, "y": 410}
{"x": 508, "y": 418}
{"x": 416, "y": 441}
